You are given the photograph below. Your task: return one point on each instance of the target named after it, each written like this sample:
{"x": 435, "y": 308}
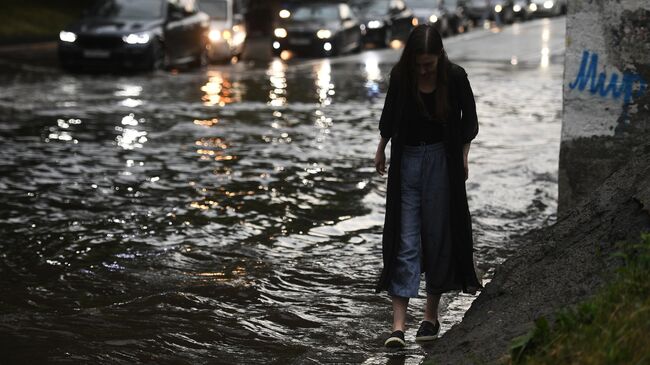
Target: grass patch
{"x": 22, "y": 20}
{"x": 613, "y": 327}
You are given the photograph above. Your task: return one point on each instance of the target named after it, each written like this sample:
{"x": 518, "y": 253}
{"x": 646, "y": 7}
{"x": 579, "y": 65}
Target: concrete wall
{"x": 606, "y": 96}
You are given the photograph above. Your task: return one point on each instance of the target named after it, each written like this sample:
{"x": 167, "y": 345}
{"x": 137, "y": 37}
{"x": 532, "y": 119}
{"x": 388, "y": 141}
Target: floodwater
{"x": 232, "y": 215}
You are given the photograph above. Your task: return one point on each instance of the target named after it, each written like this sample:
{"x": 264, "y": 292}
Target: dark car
{"x": 227, "y": 29}
{"x": 323, "y": 28}
{"x": 385, "y": 20}
{"x": 454, "y": 12}
{"x": 522, "y": 9}
{"x": 430, "y": 12}
{"x": 547, "y": 8}
{"x": 477, "y": 9}
{"x": 136, "y": 34}
{"x": 502, "y": 11}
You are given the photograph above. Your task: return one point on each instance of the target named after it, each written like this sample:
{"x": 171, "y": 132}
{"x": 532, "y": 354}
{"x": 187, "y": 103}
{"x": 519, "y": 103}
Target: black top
{"x": 418, "y": 128}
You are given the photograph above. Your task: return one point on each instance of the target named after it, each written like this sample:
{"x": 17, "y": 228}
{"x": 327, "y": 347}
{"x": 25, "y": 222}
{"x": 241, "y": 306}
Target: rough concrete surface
{"x": 605, "y": 91}
{"x": 556, "y": 266}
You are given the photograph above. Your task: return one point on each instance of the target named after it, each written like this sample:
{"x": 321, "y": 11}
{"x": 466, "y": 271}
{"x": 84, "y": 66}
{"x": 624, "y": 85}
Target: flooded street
{"x": 232, "y": 215}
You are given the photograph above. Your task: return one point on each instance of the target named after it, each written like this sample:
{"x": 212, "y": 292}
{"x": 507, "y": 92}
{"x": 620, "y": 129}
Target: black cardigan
{"x": 461, "y": 128}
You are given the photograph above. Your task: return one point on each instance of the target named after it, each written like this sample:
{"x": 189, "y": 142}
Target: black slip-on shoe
{"x": 395, "y": 340}
{"x": 427, "y": 331}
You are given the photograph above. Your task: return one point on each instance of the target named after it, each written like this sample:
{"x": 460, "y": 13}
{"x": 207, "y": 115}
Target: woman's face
{"x": 426, "y": 65}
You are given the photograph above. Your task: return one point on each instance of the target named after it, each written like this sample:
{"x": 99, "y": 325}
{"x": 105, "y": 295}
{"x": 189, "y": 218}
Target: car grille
{"x": 100, "y": 42}
{"x": 302, "y": 34}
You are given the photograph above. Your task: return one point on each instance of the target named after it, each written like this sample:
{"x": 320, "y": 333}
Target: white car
{"x": 227, "y": 30}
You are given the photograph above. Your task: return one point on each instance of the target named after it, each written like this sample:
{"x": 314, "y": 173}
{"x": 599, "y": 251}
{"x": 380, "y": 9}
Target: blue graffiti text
{"x": 598, "y": 83}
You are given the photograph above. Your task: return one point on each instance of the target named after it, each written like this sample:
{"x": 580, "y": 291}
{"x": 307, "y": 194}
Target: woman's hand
{"x": 465, "y": 160}
{"x": 380, "y": 161}
{"x": 380, "y": 156}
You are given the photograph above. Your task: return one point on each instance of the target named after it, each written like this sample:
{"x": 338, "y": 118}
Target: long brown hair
{"x": 424, "y": 39}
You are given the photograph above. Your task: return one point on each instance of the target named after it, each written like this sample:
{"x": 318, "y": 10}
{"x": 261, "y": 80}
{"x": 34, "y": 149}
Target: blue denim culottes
{"x": 425, "y": 226}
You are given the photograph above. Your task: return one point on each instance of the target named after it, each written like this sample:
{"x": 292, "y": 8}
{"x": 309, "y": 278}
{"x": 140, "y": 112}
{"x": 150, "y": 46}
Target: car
{"x": 143, "y": 34}
{"x": 544, "y": 8}
{"x": 476, "y": 9}
{"x": 227, "y": 29}
{"x": 455, "y": 13}
{"x": 429, "y": 11}
{"x": 505, "y": 10}
{"x": 522, "y": 10}
{"x": 385, "y": 20}
{"x": 322, "y": 28}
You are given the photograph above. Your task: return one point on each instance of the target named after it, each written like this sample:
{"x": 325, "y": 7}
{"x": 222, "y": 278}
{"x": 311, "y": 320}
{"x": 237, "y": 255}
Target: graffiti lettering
{"x": 598, "y": 83}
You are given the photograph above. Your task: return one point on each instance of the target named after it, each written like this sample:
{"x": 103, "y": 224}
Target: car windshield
{"x": 451, "y": 4}
{"x": 376, "y": 8}
{"x": 127, "y": 9}
{"x": 316, "y": 12}
{"x": 217, "y": 9}
{"x": 422, "y": 4}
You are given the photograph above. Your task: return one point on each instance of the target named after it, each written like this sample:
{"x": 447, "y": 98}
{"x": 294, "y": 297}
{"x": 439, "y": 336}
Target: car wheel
{"x": 157, "y": 58}
{"x": 359, "y": 45}
{"x": 508, "y": 16}
{"x": 201, "y": 59}
{"x": 388, "y": 35}
{"x": 336, "y": 49}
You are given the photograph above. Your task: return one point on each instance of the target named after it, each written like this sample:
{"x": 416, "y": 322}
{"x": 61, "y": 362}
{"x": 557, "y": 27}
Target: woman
{"x": 430, "y": 115}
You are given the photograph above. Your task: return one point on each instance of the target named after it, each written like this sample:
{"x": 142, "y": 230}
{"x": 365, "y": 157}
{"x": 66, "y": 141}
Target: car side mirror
{"x": 174, "y": 14}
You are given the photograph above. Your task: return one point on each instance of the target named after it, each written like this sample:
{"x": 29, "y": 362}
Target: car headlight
{"x": 284, "y": 13}
{"x": 374, "y": 24}
{"x": 532, "y": 7}
{"x": 323, "y": 34}
{"x": 67, "y": 36}
{"x": 280, "y": 32}
{"x": 433, "y": 18}
{"x": 136, "y": 38}
{"x": 516, "y": 8}
{"x": 214, "y": 35}
{"x": 548, "y": 4}
{"x": 498, "y": 8}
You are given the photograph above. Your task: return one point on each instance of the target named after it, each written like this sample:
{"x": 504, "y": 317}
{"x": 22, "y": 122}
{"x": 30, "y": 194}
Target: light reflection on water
{"x": 278, "y": 81}
{"x": 324, "y": 85}
{"x": 235, "y": 216}
{"x": 218, "y": 90}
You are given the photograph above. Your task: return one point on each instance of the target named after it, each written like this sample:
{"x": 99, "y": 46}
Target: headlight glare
{"x": 214, "y": 35}
{"x": 374, "y": 24}
{"x": 67, "y": 36}
{"x": 323, "y": 34}
{"x": 280, "y": 32}
{"x": 136, "y": 38}
{"x": 433, "y": 18}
